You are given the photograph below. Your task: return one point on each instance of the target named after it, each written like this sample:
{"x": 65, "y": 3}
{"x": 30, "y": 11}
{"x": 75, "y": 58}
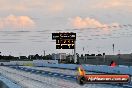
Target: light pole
{"x": 113, "y": 48}
{"x": 44, "y": 52}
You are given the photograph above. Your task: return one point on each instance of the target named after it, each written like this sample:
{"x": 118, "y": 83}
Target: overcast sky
{"x": 26, "y": 26}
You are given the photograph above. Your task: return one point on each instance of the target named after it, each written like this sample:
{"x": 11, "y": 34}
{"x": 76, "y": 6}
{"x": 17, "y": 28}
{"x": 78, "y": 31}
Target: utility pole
{"x": 84, "y": 54}
{"x": 70, "y": 57}
{"x": 104, "y": 57}
{"x": 19, "y": 55}
{"x": 119, "y": 56}
{"x": 44, "y": 52}
{"x": 113, "y": 49}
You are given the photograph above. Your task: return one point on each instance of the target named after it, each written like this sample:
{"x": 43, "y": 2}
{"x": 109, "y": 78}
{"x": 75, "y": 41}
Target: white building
{"x": 59, "y": 56}
{"x": 62, "y": 56}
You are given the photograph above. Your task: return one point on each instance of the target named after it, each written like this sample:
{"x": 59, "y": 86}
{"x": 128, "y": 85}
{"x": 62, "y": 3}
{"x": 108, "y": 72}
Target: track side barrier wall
{"x": 6, "y": 83}
{"x": 95, "y": 68}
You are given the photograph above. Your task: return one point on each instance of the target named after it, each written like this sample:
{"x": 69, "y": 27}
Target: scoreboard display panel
{"x": 55, "y": 36}
{"x": 64, "y": 36}
{"x": 65, "y": 46}
{"x": 64, "y": 40}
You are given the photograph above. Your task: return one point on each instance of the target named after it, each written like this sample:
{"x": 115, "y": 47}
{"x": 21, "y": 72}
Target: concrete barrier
{"x": 94, "y": 68}
{"x": 6, "y": 83}
{"x": 63, "y": 66}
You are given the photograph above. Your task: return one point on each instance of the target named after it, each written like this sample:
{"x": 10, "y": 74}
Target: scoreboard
{"x": 61, "y": 46}
{"x": 68, "y": 35}
{"x": 64, "y": 40}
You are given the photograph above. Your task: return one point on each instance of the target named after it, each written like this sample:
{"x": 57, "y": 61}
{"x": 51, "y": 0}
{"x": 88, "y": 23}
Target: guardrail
{"x": 95, "y": 68}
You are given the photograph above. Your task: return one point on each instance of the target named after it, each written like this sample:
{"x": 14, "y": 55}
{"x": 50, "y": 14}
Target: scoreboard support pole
{"x": 75, "y": 56}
